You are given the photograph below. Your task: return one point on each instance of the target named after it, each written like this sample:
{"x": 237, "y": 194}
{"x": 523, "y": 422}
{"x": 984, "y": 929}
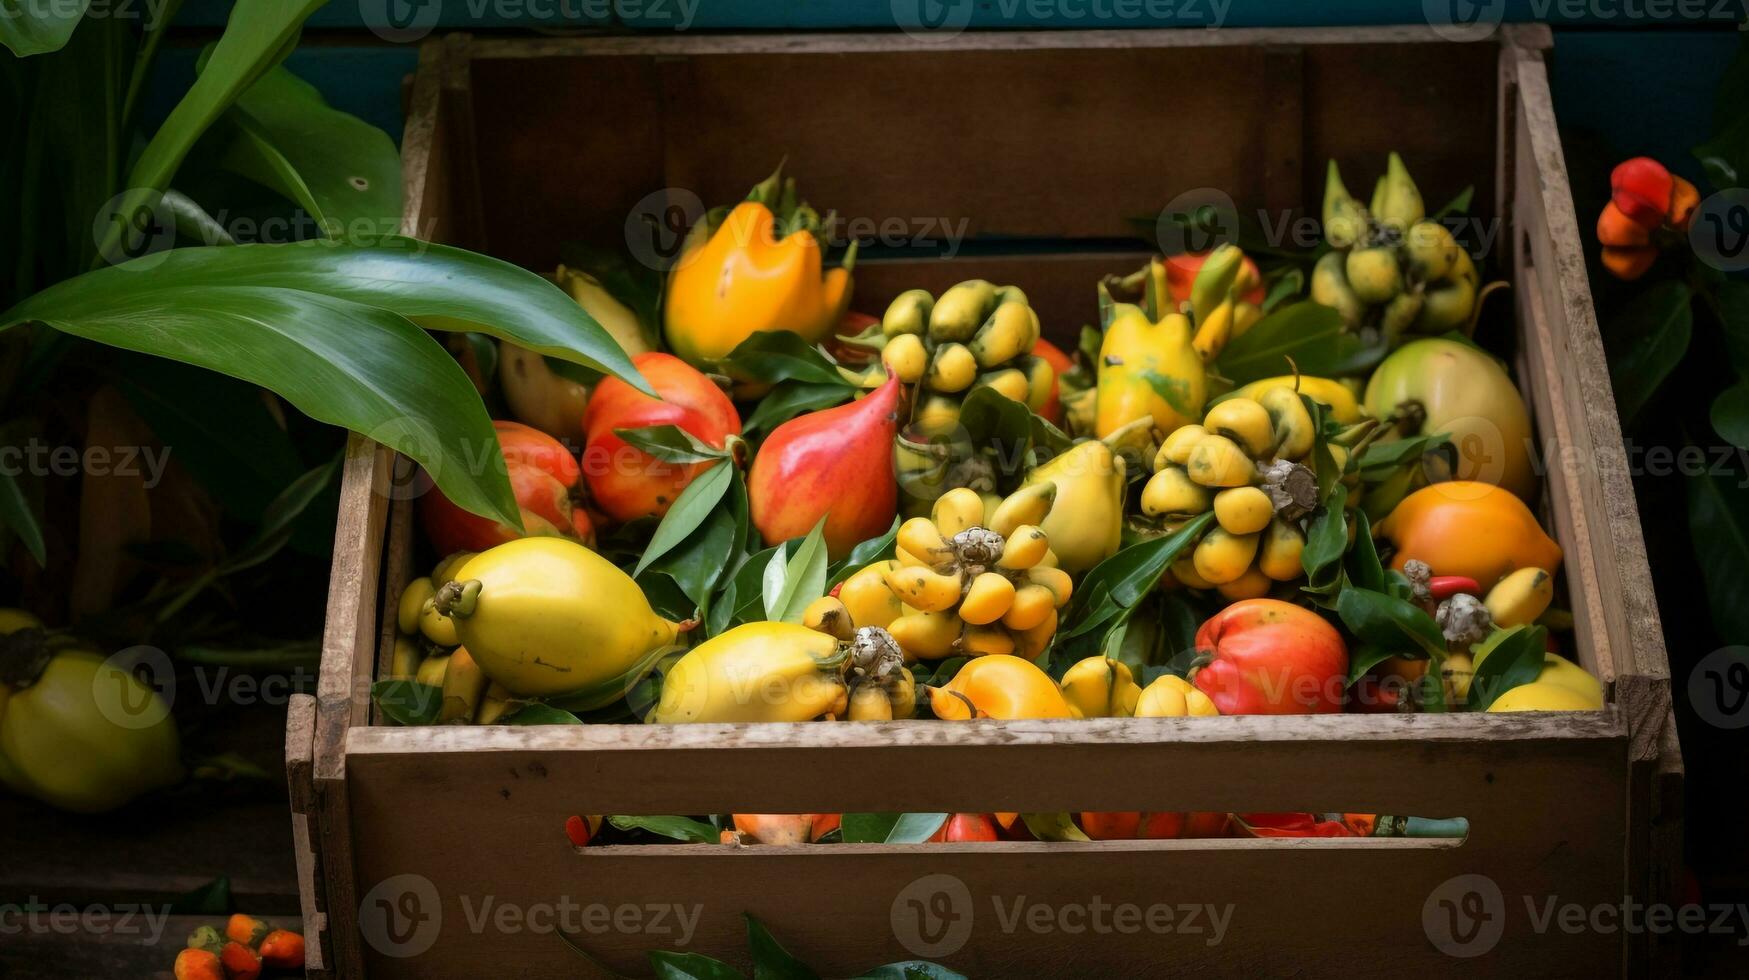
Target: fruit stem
{"x": 1411, "y": 415}
{"x": 457, "y": 600}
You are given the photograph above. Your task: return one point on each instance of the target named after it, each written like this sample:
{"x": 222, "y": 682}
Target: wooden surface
{"x": 477, "y": 812}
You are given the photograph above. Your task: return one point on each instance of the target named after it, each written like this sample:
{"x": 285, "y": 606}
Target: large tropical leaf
{"x": 28, "y": 28}
{"x": 344, "y": 172}
{"x": 257, "y": 37}
{"x": 436, "y": 286}
{"x": 1718, "y": 522}
{"x": 336, "y": 360}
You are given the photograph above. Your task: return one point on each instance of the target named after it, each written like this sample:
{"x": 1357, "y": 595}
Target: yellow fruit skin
{"x": 1056, "y": 580}
{"x": 463, "y": 686}
{"x": 1184, "y": 570}
{"x": 829, "y": 615}
{"x": 444, "y": 571}
{"x": 1561, "y": 672}
{"x": 956, "y": 510}
{"x": 907, "y": 358}
{"x": 1216, "y": 461}
{"x": 1245, "y": 422}
{"x": 926, "y": 635}
{"x": 1099, "y": 687}
{"x": 86, "y": 736}
{"x": 1028, "y": 505}
{"x": 1171, "y": 696}
{"x": 1520, "y": 597}
{"x": 1085, "y": 524}
{"x": 1251, "y": 585}
{"x": 1024, "y": 548}
{"x": 405, "y": 660}
{"x": 1543, "y": 696}
{"x": 952, "y": 369}
{"x": 437, "y": 627}
{"x": 999, "y": 686}
{"x": 1175, "y": 449}
{"x": 868, "y": 702}
{"x": 412, "y": 601}
{"x": 1221, "y": 557}
{"x": 925, "y": 589}
{"x": 866, "y": 595}
{"x": 1243, "y": 510}
{"x": 1030, "y": 643}
{"x": 1279, "y": 552}
{"x": 920, "y": 537}
{"x": 986, "y": 641}
{"x": 1010, "y": 331}
{"x": 1334, "y": 395}
{"x": 1032, "y": 604}
{"x": 432, "y": 670}
{"x": 553, "y": 617}
{"x": 756, "y": 672}
{"x": 987, "y": 600}
{"x": 958, "y": 314}
{"x": 1172, "y": 491}
{"x": 1294, "y": 432}
{"x": 1467, "y": 394}
{"x": 1148, "y": 370}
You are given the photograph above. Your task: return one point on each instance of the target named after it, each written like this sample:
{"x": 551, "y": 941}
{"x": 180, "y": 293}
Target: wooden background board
{"x": 1017, "y": 136}
{"x": 507, "y": 793}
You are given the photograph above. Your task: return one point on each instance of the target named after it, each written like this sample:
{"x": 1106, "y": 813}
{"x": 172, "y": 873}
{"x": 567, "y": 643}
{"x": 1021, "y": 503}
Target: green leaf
{"x": 790, "y": 399}
{"x": 337, "y": 361}
{"x": 790, "y": 585}
{"x": 778, "y": 355}
{"x": 1718, "y": 524}
{"x": 29, "y": 27}
{"x": 1291, "y": 284}
{"x": 992, "y": 419}
{"x": 1326, "y": 543}
{"x": 696, "y": 563}
{"x": 1457, "y": 205}
{"x": 676, "y": 828}
{"x": 257, "y": 37}
{"x": 1365, "y": 657}
{"x": 1646, "y": 340}
{"x": 438, "y": 287}
{"x": 1514, "y": 660}
{"x": 1730, "y": 414}
{"x": 671, "y": 444}
{"x": 911, "y": 970}
{"x": 690, "y": 966}
{"x": 1053, "y": 827}
{"x": 212, "y": 898}
{"x": 865, "y": 553}
{"x": 344, "y": 172}
{"x": 1311, "y": 334}
{"x": 915, "y": 828}
{"x": 1124, "y": 579}
{"x": 540, "y": 714}
{"x": 770, "y": 960}
{"x": 1364, "y": 568}
{"x": 631, "y": 282}
{"x": 1725, "y": 157}
{"x": 868, "y": 828}
{"x": 16, "y": 515}
{"x": 1381, "y": 456}
{"x": 408, "y": 702}
{"x": 1387, "y": 621}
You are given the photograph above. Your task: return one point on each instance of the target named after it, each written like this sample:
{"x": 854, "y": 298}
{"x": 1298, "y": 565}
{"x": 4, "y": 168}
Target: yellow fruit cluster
{"x": 1390, "y": 268}
{"x": 1100, "y": 687}
{"x": 428, "y": 651}
{"x": 964, "y": 584}
{"x": 1219, "y": 466}
{"x": 975, "y": 335}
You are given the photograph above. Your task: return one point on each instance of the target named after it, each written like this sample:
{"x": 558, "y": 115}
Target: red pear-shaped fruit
{"x": 836, "y": 463}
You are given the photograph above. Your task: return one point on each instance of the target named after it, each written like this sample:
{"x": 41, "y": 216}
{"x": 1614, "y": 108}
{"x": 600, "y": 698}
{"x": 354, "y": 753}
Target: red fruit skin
{"x": 627, "y": 483}
{"x": 1269, "y": 657}
{"x": 542, "y": 474}
{"x": 966, "y": 827}
{"x": 1060, "y": 363}
{"x": 1641, "y": 188}
{"x": 836, "y": 463}
{"x": 1181, "y": 271}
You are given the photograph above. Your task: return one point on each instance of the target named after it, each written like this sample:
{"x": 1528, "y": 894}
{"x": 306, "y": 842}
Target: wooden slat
{"x": 300, "y": 745}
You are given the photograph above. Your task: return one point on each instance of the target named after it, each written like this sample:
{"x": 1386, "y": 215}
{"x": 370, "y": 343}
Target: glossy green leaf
{"x": 257, "y": 37}
{"x": 792, "y": 398}
{"x": 1725, "y": 157}
{"x": 408, "y": 702}
{"x": 699, "y": 560}
{"x": 778, "y": 355}
{"x": 438, "y": 287}
{"x": 671, "y": 444}
{"x": 281, "y": 515}
{"x": 337, "y": 361}
{"x": 1387, "y": 621}
{"x": 16, "y": 515}
{"x": 210, "y": 899}
{"x": 770, "y": 960}
{"x": 676, "y": 828}
{"x": 540, "y": 714}
{"x": 789, "y": 585}
{"x": 915, "y": 828}
{"x": 1326, "y": 543}
{"x": 1646, "y": 340}
{"x": 668, "y": 965}
{"x": 1457, "y": 205}
{"x": 30, "y": 27}
{"x": 1124, "y": 579}
{"x": 1730, "y": 414}
{"x": 1364, "y": 568}
{"x": 1516, "y": 659}
{"x": 868, "y": 828}
{"x": 865, "y": 553}
{"x": 1366, "y": 656}
{"x": 344, "y": 172}
{"x": 630, "y": 281}
{"x": 1311, "y": 334}
{"x": 912, "y": 970}
{"x": 1718, "y": 523}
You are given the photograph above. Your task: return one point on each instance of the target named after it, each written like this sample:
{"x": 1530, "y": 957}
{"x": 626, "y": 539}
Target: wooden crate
{"x": 516, "y": 146}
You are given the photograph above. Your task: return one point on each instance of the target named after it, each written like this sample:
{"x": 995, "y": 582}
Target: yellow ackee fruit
{"x": 1099, "y": 687}
{"x": 1171, "y": 696}
{"x": 1054, "y": 579}
{"x": 1216, "y": 461}
{"x": 1024, "y": 548}
{"x": 829, "y": 614}
{"x": 1031, "y": 605}
{"x": 1172, "y": 491}
{"x": 924, "y": 588}
{"x": 956, "y": 510}
{"x": 1242, "y": 510}
{"x": 952, "y": 369}
{"x": 986, "y": 641}
{"x": 906, "y": 357}
{"x": 926, "y": 635}
{"x": 1279, "y": 553}
{"x": 868, "y": 598}
{"x": 1221, "y": 557}
{"x": 987, "y": 599}
{"x": 756, "y": 672}
{"x": 1251, "y": 585}
{"x": 1520, "y": 597}
{"x": 412, "y": 602}
{"x": 1245, "y": 422}
{"x": 1176, "y": 449}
